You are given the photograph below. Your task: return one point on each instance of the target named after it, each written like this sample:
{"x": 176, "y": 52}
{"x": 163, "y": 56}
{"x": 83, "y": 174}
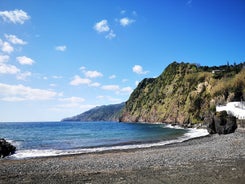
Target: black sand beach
{"x": 211, "y": 159}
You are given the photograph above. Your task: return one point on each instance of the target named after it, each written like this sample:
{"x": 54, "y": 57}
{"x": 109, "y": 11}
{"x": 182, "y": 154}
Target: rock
{"x": 222, "y": 123}
{"x": 6, "y": 148}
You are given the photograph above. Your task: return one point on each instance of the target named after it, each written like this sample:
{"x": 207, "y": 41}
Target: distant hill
{"x": 185, "y": 93}
{"x": 100, "y": 113}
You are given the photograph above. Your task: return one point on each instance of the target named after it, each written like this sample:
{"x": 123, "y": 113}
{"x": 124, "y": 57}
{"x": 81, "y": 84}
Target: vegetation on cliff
{"x": 185, "y": 93}
{"x": 100, "y": 113}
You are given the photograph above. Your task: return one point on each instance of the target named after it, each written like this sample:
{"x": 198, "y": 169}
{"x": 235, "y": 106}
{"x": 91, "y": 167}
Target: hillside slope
{"x": 100, "y": 113}
{"x": 185, "y": 93}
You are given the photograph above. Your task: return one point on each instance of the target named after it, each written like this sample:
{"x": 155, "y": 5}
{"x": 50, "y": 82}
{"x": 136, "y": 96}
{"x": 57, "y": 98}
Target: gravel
{"x": 210, "y": 159}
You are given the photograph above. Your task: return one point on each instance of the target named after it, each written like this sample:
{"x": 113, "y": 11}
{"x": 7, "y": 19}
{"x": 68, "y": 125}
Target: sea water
{"x": 41, "y": 139}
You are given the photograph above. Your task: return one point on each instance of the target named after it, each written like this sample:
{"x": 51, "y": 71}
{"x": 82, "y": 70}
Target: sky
{"x": 60, "y": 58}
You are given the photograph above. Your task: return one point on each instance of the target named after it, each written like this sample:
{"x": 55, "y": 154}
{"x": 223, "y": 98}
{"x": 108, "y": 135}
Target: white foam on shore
{"x": 22, "y": 154}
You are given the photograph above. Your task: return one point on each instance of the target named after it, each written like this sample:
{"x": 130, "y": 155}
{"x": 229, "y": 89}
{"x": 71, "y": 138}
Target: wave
{"x": 33, "y": 153}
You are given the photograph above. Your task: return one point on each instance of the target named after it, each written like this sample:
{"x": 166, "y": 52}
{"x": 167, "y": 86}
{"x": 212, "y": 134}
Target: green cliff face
{"x": 185, "y": 93}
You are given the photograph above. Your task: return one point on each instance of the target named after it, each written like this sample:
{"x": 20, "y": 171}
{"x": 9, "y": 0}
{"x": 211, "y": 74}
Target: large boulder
{"x": 6, "y": 148}
{"x": 222, "y": 123}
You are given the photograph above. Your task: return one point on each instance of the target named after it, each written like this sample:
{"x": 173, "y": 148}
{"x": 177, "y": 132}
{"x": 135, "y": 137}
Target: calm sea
{"x": 61, "y": 138}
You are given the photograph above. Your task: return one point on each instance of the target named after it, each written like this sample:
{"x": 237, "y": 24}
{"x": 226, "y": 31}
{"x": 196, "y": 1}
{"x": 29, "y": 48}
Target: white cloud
{"x": 52, "y": 85}
{"x": 15, "y": 16}
{"x": 109, "y": 98}
{"x": 8, "y": 69}
{"x": 61, "y": 48}
{"x": 126, "y": 21}
{"x": 83, "y": 68}
{"x": 111, "y": 35}
{"x": 77, "y": 80}
{"x": 23, "y": 76}
{"x": 6, "y": 47}
{"x": 127, "y": 90}
{"x": 23, "y": 60}
{"x": 4, "y": 58}
{"x": 24, "y": 93}
{"x": 139, "y": 69}
{"x": 112, "y": 77}
{"x": 110, "y": 87}
{"x": 95, "y": 84}
{"x": 72, "y": 100}
{"x": 136, "y": 83}
{"x": 102, "y": 26}
{"x": 92, "y": 74}
{"x": 15, "y": 40}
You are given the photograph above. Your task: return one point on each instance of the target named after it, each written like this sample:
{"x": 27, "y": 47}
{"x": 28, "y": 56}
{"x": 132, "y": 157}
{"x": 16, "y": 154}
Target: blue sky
{"x": 60, "y": 58}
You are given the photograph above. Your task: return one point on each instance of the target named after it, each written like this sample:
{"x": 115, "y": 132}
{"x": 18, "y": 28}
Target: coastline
{"x": 191, "y": 133}
{"x": 209, "y": 159}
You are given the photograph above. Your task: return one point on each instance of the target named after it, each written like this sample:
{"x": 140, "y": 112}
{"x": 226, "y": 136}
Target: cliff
{"x": 185, "y": 93}
{"x": 100, "y": 113}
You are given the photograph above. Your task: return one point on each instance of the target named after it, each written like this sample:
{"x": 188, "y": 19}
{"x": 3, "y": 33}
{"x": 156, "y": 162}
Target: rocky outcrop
{"x": 222, "y": 123}
{"x": 6, "y": 148}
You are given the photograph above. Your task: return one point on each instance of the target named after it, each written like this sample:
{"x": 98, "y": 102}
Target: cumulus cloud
{"x": 126, "y": 21}
{"x": 139, "y": 69}
{"x": 111, "y": 87}
{"x": 23, "y": 60}
{"x": 8, "y": 69}
{"x": 102, "y": 26}
{"x": 111, "y": 35}
{"x": 24, "y": 93}
{"x": 15, "y": 40}
{"x": 77, "y": 80}
{"x": 61, "y": 48}
{"x": 6, "y": 47}
{"x": 92, "y": 74}
{"x": 15, "y": 16}
{"x": 4, "y": 58}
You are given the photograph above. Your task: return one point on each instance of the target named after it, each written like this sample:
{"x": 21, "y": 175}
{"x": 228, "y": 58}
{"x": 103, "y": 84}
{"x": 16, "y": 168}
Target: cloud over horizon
{"x": 15, "y": 93}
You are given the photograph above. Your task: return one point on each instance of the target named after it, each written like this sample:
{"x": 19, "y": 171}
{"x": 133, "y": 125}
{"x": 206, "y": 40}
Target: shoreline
{"x": 35, "y": 153}
{"x": 209, "y": 159}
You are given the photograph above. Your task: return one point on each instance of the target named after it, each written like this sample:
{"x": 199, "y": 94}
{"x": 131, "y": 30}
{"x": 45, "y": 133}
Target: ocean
{"x": 40, "y": 139}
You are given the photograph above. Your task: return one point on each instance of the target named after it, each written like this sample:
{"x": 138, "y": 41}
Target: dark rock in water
{"x": 6, "y": 148}
{"x": 222, "y": 123}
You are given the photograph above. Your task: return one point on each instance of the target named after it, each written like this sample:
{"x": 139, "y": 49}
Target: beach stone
{"x": 6, "y": 148}
{"x": 222, "y": 123}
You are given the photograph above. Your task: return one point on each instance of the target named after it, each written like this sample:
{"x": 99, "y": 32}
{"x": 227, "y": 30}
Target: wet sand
{"x": 211, "y": 159}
